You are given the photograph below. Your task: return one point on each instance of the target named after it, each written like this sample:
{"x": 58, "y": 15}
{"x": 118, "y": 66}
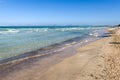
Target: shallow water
{"x": 15, "y": 40}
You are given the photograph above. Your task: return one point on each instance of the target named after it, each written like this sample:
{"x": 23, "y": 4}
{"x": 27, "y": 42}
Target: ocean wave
{"x": 37, "y": 30}
{"x": 78, "y": 28}
{"x": 9, "y": 31}
{"x": 49, "y": 29}
{"x": 94, "y": 33}
{"x": 30, "y": 30}
{"x": 69, "y": 29}
{"x": 55, "y": 29}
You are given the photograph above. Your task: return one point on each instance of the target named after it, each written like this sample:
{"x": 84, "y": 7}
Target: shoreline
{"x": 86, "y": 64}
{"x": 56, "y": 46}
{"x": 44, "y": 49}
{"x": 9, "y": 48}
{"x": 42, "y": 62}
{"x": 55, "y": 58}
{"x": 52, "y": 48}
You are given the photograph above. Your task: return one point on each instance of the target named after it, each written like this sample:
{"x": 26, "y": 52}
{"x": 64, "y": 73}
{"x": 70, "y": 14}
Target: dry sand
{"x": 112, "y": 57}
{"x": 99, "y": 60}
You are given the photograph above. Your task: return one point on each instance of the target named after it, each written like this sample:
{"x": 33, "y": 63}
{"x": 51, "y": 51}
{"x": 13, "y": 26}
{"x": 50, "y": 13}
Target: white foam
{"x": 94, "y": 33}
{"x": 86, "y": 40}
{"x": 68, "y": 44}
{"x": 91, "y": 34}
{"x": 9, "y": 31}
{"x": 45, "y": 29}
{"x": 61, "y": 49}
{"x": 37, "y": 30}
{"x": 73, "y": 42}
{"x": 69, "y": 29}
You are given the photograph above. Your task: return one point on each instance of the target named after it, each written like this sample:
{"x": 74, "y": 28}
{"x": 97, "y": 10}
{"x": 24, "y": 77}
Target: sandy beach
{"x": 59, "y": 40}
{"x": 94, "y": 61}
{"x": 87, "y": 64}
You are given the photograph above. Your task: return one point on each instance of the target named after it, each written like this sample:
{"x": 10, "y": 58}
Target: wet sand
{"x": 38, "y": 64}
{"x": 84, "y": 65}
{"x": 87, "y": 64}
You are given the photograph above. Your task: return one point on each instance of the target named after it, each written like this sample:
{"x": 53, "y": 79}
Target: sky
{"x": 59, "y": 12}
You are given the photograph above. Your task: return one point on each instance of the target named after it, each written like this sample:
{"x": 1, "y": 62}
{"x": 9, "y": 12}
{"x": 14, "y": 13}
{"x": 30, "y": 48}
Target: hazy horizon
{"x": 51, "y": 25}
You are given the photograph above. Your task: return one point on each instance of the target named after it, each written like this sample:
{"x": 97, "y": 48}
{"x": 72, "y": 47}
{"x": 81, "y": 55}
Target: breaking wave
{"x": 9, "y": 31}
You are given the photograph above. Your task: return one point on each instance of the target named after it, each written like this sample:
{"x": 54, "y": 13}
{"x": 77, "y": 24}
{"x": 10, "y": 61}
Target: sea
{"x": 17, "y": 40}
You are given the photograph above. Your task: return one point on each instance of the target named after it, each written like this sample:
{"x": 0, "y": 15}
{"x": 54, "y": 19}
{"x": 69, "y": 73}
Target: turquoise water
{"x": 17, "y": 40}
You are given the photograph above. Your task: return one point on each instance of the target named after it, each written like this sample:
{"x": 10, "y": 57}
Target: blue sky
{"x": 60, "y": 12}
